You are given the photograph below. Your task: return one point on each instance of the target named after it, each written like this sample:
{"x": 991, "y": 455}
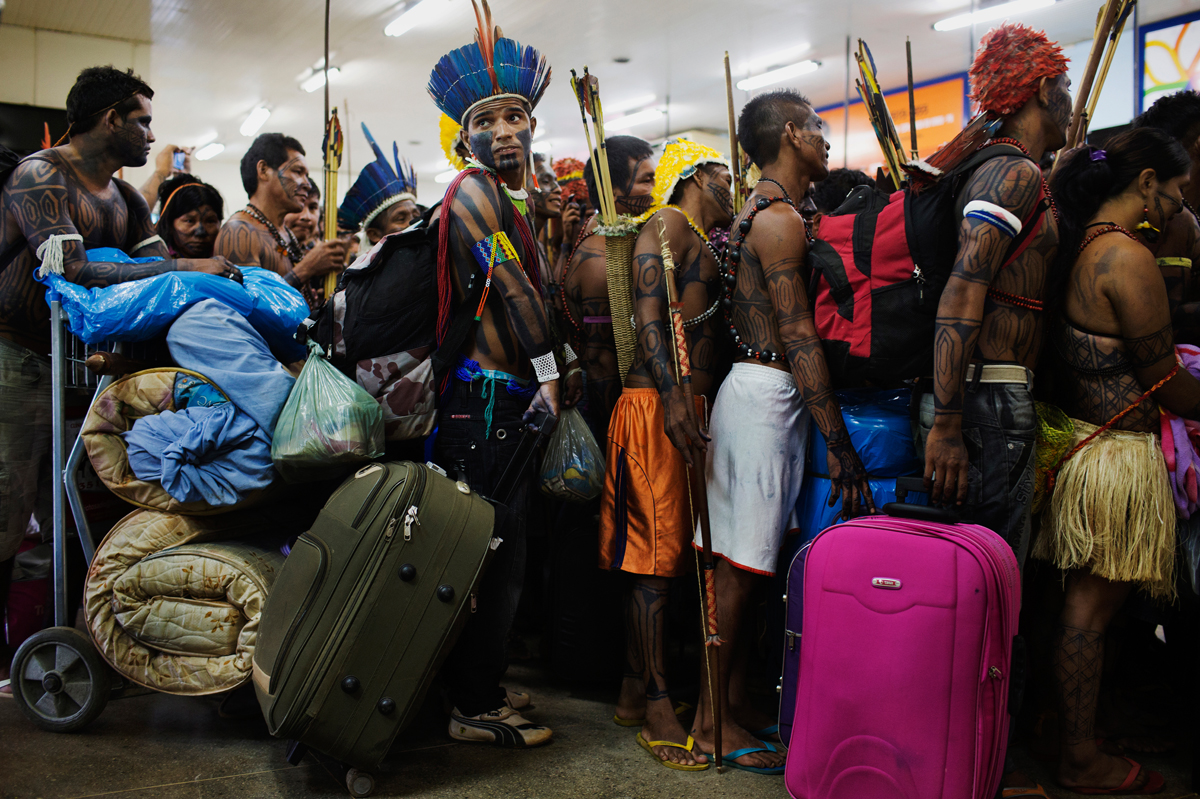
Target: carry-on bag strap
{"x": 924, "y": 513}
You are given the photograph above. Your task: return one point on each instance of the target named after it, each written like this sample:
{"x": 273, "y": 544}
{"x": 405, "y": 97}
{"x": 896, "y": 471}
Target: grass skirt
{"x": 1112, "y": 512}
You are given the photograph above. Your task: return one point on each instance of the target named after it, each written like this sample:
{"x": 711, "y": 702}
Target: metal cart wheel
{"x": 59, "y": 681}
{"x": 359, "y": 783}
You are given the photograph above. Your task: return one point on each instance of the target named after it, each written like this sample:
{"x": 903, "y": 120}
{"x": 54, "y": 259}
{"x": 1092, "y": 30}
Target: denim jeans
{"x": 1000, "y": 432}
{"x": 477, "y": 663}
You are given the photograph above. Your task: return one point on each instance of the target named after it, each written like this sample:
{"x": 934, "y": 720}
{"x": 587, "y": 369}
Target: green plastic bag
{"x": 328, "y": 424}
{"x": 573, "y": 468}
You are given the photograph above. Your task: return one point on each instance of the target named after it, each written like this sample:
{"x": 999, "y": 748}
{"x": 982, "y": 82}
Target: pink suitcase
{"x": 904, "y": 656}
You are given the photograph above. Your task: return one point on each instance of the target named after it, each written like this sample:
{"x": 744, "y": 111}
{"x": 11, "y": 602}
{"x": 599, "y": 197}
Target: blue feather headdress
{"x": 378, "y": 187}
{"x": 489, "y": 67}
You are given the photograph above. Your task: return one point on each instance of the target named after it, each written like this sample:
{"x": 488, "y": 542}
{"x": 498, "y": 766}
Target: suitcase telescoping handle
{"x": 925, "y": 513}
{"x": 538, "y": 428}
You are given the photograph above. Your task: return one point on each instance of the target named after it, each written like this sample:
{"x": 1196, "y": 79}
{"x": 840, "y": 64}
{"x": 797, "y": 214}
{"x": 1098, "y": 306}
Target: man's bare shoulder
{"x": 43, "y": 170}
{"x": 243, "y": 242}
{"x": 777, "y": 222}
{"x": 1012, "y": 182}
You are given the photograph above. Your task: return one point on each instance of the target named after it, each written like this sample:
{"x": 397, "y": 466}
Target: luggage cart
{"x": 59, "y": 680}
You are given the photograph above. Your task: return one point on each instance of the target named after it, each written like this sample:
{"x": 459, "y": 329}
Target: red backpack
{"x": 879, "y": 265}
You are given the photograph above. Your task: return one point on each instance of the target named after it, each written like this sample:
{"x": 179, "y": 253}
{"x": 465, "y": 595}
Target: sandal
{"x": 730, "y": 760}
{"x": 1154, "y": 783}
{"x": 690, "y": 746}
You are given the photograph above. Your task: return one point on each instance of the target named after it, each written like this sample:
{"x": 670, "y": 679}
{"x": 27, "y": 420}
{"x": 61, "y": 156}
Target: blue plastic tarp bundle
{"x": 881, "y": 431}
{"x": 141, "y": 309}
{"x": 210, "y": 448}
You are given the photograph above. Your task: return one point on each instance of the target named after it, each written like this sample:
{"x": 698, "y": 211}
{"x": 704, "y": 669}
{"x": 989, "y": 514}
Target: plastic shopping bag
{"x": 329, "y": 423}
{"x": 573, "y": 468}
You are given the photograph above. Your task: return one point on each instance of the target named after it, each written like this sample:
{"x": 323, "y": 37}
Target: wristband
{"x": 292, "y": 279}
{"x": 574, "y": 371}
{"x": 545, "y": 367}
{"x": 568, "y": 353}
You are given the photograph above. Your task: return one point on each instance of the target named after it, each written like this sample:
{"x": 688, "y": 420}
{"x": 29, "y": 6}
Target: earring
{"x": 1149, "y": 231}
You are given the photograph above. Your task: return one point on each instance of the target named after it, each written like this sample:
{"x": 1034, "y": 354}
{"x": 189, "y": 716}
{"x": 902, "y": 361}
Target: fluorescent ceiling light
{"x": 209, "y": 150}
{"x": 633, "y": 120}
{"x": 317, "y": 79}
{"x": 445, "y": 177}
{"x": 258, "y": 117}
{"x": 783, "y": 57}
{"x": 628, "y": 105}
{"x": 990, "y": 13}
{"x": 539, "y": 133}
{"x": 414, "y": 14}
{"x": 779, "y": 75}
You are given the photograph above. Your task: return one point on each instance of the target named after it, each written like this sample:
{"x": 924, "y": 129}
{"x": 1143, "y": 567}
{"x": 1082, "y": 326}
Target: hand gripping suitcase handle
{"x": 538, "y": 428}
{"x": 925, "y": 513}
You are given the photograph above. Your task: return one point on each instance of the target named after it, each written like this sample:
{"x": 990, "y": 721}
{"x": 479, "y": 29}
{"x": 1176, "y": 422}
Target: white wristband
{"x": 568, "y": 353}
{"x": 545, "y": 367}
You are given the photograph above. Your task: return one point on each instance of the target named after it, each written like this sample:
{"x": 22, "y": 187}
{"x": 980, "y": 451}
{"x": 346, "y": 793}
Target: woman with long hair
{"x": 189, "y": 216}
{"x": 1111, "y": 522}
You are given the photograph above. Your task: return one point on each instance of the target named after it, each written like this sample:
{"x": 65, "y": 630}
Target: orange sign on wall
{"x": 941, "y": 114}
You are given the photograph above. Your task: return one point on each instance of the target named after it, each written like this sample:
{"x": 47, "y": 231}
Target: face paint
{"x": 511, "y": 162}
{"x": 481, "y": 148}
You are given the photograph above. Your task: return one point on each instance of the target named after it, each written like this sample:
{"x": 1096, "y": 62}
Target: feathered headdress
{"x": 679, "y": 161}
{"x": 490, "y": 67}
{"x": 569, "y": 172}
{"x": 1010, "y": 62}
{"x": 379, "y": 186}
{"x": 448, "y": 130}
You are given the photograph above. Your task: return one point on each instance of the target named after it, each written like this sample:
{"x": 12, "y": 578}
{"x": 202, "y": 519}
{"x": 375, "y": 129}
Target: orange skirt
{"x": 645, "y": 515}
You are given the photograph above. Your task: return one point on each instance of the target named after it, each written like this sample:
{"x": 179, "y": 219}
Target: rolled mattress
{"x": 114, "y": 413}
{"x": 173, "y": 602}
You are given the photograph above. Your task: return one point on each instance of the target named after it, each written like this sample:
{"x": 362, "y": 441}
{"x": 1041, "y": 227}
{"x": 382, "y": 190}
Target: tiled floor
{"x": 162, "y": 747}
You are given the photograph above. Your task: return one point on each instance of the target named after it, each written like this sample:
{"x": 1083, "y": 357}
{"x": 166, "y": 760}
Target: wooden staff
{"x": 333, "y": 162}
{"x": 1107, "y": 19}
{"x": 697, "y": 492}
{"x": 1114, "y": 41}
{"x": 735, "y": 158}
{"x": 912, "y": 101}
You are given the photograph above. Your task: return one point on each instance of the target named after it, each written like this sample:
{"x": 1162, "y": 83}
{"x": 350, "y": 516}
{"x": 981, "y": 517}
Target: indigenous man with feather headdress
{"x": 977, "y": 418}
{"x": 507, "y": 370}
{"x": 384, "y": 199}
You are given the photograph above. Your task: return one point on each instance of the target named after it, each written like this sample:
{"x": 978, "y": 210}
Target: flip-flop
{"x": 620, "y": 721}
{"x": 730, "y": 760}
{"x": 767, "y": 732}
{"x": 690, "y": 746}
{"x": 1016, "y": 793}
{"x": 1154, "y": 783}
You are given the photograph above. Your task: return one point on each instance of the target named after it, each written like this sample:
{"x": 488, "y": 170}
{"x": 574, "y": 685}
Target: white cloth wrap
{"x": 50, "y": 253}
{"x": 1005, "y": 220}
{"x": 145, "y": 243}
{"x": 759, "y": 430}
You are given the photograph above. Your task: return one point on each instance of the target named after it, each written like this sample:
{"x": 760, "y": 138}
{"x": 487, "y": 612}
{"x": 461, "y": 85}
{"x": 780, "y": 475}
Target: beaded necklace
{"x": 291, "y": 248}
{"x": 1045, "y": 185}
{"x": 1105, "y": 227}
{"x": 733, "y": 257}
{"x": 712, "y": 309}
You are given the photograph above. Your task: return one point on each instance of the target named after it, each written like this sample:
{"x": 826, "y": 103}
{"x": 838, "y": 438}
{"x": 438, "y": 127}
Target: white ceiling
{"x": 213, "y": 61}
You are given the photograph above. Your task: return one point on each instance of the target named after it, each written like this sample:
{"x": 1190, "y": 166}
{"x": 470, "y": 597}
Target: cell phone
{"x": 179, "y": 160}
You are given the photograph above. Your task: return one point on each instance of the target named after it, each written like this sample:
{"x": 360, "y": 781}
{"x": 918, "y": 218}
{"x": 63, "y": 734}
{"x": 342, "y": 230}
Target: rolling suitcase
{"x": 902, "y": 689}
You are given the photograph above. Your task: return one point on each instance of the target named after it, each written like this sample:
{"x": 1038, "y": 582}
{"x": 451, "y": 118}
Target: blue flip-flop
{"x": 765, "y": 732}
{"x": 730, "y": 759}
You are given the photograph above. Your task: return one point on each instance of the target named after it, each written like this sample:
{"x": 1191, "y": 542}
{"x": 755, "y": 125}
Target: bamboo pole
{"x": 735, "y": 158}
{"x": 912, "y": 100}
{"x": 698, "y": 494}
{"x": 1107, "y": 18}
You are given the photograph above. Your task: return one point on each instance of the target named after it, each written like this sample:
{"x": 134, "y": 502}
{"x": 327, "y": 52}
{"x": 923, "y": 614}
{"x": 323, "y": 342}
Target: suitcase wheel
{"x": 359, "y": 783}
{"x": 59, "y": 680}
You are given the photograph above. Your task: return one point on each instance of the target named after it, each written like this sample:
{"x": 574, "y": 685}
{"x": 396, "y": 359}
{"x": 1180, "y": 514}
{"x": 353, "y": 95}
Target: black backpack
{"x": 380, "y": 327}
{"x": 879, "y": 265}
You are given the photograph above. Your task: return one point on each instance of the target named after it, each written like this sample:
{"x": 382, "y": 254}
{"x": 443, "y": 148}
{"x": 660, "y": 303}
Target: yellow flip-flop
{"x": 690, "y": 746}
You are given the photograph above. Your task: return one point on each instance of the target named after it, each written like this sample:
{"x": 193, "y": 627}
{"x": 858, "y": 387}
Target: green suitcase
{"x": 367, "y": 605}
